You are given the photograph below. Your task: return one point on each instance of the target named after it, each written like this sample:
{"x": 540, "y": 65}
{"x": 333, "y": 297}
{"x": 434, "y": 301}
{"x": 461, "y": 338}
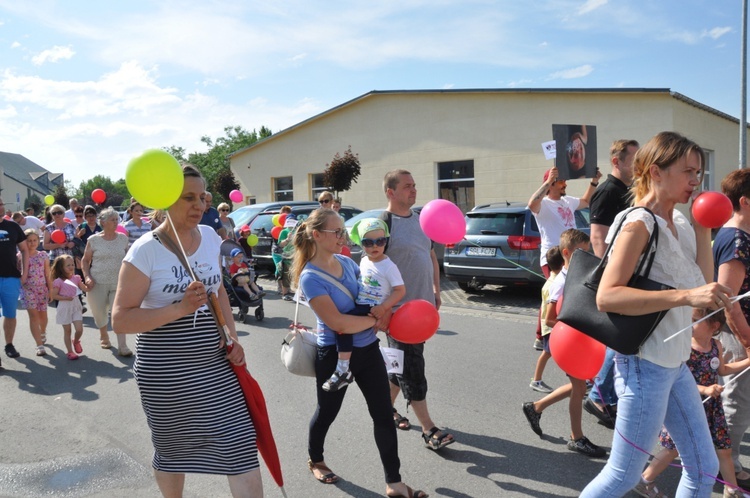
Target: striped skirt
{"x": 194, "y": 405}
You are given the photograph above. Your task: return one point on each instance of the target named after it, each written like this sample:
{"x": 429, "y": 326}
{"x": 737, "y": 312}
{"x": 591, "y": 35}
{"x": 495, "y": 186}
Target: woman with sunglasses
{"x": 226, "y": 221}
{"x": 325, "y": 199}
{"x": 59, "y": 223}
{"x": 321, "y": 272}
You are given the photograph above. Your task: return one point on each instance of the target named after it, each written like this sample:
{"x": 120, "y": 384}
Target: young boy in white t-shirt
{"x": 380, "y": 288}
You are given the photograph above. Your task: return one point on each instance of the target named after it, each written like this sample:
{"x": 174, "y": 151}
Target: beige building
{"x": 471, "y": 146}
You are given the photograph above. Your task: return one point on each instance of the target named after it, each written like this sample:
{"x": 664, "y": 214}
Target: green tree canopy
{"x": 116, "y": 191}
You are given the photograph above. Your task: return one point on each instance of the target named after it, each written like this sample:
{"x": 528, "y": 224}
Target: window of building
{"x": 316, "y": 185}
{"x": 456, "y": 183}
{"x": 707, "y": 180}
{"x": 283, "y": 189}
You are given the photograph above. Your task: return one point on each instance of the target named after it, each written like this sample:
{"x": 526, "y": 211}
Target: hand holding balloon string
{"x": 689, "y": 327}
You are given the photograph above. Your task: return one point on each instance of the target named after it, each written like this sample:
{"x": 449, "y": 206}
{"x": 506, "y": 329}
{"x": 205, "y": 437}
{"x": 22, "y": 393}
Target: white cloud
{"x": 448, "y": 86}
{"x": 15, "y": 44}
{"x": 717, "y": 32}
{"x": 53, "y": 54}
{"x": 591, "y": 5}
{"x": 576, "y": 72}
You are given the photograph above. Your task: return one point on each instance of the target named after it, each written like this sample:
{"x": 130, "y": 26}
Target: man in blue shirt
{"x": 211, "y": 217}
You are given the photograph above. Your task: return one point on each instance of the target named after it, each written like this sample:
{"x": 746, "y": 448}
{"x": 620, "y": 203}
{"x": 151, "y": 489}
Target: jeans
{"x": 649, "y": 394}
{"x": 603, "y": 391}
{"x": 370, "y": 375}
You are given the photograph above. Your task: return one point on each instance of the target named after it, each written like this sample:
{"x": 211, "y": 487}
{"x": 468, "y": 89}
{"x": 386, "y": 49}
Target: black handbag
{"x": 623, "y": 333}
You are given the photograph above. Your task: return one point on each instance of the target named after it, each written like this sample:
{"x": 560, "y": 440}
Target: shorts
{"x": 69, "y": 312}
{"x": 545, "y": 343}
{"x": 10, "y": 289}
{"x": 412, "y": 382}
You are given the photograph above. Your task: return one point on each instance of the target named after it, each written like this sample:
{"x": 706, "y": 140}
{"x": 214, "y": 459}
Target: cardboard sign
{"x": 550, "y": 150}
{"x": 577, "y": 146}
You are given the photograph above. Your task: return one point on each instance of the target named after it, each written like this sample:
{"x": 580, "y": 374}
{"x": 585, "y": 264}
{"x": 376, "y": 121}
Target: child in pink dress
{"x": 65, "y": 288}
{"x": 35, "y": 292}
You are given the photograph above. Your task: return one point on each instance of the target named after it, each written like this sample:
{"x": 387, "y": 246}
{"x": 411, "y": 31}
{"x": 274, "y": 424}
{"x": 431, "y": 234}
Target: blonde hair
{"x": 325, "y": 195}
{"x": 304, "y": 244}
{"x": 31, "y": 231}
{"x": 663, "y": 150}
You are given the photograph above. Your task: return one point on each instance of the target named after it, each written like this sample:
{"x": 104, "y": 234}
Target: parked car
{"x": 375, "y": 213}
{"x": 501, "y": 247}
{"x": 246, "y": 214}
{"x": 262, "y": 225}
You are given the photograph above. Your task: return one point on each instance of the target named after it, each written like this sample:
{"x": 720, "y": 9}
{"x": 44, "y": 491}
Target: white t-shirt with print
{"x": 553, "y": 218}
{"x": 377, "y": 280}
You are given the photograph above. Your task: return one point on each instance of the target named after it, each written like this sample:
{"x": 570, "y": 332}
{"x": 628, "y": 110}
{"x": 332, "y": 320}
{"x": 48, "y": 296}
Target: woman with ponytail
{"x": 321, "y": 271}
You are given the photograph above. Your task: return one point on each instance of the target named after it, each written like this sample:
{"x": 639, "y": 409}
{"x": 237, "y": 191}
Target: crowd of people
{"x": 163, "y": 295}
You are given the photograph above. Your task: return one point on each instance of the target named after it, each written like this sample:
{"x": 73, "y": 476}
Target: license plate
{"x": 262, "y": 242}
{"x": 481, "y": 251}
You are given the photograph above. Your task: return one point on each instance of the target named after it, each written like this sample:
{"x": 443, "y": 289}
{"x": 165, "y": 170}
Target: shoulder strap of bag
{"x": 331, "y": 280}
{"x": 644, "y": 268}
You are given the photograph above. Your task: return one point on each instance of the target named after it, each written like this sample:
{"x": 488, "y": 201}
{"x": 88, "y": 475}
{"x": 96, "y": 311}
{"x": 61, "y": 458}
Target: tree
{"x": 116, "y": 191}
{"x": 342, "y": 171}
{"x": 33, "y": 201}
{"x": 61, "y": 196}
{"x": 224, "y": 183}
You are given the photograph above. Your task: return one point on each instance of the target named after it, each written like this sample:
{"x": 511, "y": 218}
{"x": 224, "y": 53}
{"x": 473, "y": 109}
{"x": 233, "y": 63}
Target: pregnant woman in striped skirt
{"x": 193, "y": 403}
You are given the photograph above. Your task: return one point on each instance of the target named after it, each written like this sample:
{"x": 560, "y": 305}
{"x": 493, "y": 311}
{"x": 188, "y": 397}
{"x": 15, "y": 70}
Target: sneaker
{"x": 287, "y": 297}
{"x": 533, "y": 417}
{"x": 648, "y": 490}
{"x": 10, "y": 350}
{"x": 40, "y": 351}
{"x": 338, "y": 380}
{"x": 583, "y": 445}
{"x": 538, "y": 345}
{"x": 540, "y": 386}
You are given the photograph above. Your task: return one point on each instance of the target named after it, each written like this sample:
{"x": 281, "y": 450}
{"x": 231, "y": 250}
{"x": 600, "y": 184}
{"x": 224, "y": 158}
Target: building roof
{"x": 28, "y": 173}
{"x": 375, "y": 93}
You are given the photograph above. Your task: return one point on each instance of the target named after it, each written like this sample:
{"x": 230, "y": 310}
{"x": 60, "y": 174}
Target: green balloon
{"x": 155, "y": 179}
{"x": 49, "y": 199}
{"x": 252, "y": 240}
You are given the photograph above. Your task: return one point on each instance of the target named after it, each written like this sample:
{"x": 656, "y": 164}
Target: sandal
{"x": 437, "y": 438}
{"x": 401, "y": 421}
{"x": 105, "y": 344}
{"x": 72, "y": 356}
{"x": 326, "y": 475}
{"x": 40, "y": 351}
{"x": 411, "y": 494}
{"x": 77, "y": 346}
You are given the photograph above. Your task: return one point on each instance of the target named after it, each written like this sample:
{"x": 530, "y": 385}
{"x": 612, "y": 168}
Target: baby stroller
{"x": 237, "y": 295}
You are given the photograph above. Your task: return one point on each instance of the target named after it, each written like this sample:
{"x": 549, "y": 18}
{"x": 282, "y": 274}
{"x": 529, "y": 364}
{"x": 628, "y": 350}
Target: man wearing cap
{"x": 412, "y": 252}
{"x": 11, "y": 241}
{"x": 211, "y": 217}
{"x": 553, "y": 210}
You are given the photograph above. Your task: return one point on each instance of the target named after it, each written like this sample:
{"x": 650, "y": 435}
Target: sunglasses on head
{"x": 380, "y": 242}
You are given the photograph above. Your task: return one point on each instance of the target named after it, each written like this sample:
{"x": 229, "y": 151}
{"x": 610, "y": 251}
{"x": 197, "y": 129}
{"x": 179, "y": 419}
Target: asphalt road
{"x": 77, "y": 428}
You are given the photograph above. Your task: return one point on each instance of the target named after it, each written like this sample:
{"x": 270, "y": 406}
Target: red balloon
{"x": 577, "y": 354}
{"x": 282, "y": 219}
{"x": 58, "y": 237}
{"x": 275, "y": 231}
{"x": 712, "y": 209}
{"x": 414, "y": 322}
{"x": 346, "y": 251}
{"x": 99, "y": 196}
{"x": 66, "y": 220}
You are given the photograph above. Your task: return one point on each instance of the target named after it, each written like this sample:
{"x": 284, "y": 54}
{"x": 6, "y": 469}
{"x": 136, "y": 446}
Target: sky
{"x": 86, "y": 86}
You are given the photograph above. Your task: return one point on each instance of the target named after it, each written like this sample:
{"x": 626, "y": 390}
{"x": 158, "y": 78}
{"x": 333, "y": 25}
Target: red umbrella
{"x": 256, "y": 405}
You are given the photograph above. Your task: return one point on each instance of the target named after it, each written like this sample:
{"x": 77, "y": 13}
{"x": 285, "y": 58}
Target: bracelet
{"x": 594, "y": 184}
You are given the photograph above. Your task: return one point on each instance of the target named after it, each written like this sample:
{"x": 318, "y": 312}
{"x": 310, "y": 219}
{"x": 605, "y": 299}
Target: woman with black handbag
{"x": 655, "y": 386}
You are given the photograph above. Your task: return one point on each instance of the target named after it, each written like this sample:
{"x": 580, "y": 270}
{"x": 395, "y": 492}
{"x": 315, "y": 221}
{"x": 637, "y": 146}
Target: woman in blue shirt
{"x": 318, "y": 242}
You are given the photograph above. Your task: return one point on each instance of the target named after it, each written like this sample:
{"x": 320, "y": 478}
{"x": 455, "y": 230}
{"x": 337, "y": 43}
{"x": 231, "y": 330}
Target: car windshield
{"x": 263, "y": 221}
{"x": 244, "y": 214}
{"x": 495, "y": 223}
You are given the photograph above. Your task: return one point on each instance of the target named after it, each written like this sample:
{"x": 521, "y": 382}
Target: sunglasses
{"x": 58, "y": 213}
{"x": 380, "y": 242}
{"x": 325, "y": 201}
{"x": 340, "y": 232}
{"x": 224, "y": 210}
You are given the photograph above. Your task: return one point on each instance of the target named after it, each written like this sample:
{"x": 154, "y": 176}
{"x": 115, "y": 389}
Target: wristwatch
{"x": 594, "y": 184}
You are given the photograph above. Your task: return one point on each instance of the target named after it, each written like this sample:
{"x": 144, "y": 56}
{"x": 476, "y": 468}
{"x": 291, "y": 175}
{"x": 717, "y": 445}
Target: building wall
{"x": 13, "y": 194}
{"x": 502, "y": 132}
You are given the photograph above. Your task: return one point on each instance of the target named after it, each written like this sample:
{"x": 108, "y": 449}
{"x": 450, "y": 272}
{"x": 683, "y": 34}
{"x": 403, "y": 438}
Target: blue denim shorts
{"x": 10, "y": 289}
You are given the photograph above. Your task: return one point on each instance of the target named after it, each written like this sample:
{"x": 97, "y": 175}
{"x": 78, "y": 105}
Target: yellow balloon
{"x": 155, "y": 179}
{"x": 252, "y": 240}
{"x": 49, "y": 199}
{"x": 276, "y": 221}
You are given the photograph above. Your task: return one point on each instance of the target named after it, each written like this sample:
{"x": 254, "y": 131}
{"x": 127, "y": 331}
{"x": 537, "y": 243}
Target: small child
{"x": 570, "y": 240}
{"x": 555, "y": 262}
{"x": 65, "y": 288}
{"x": 242, "y": 275}
{"x": 380, "y": 288}
{"x": 706, "y": 364}
{"x": 35, "y": 292}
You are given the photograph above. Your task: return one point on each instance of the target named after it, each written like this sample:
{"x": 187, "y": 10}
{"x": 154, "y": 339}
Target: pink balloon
{"x": 121, "y": 229}
{"x": 66, "y": 220}
{"x": 443, "y": 222}
{"x": 235, "y": 196}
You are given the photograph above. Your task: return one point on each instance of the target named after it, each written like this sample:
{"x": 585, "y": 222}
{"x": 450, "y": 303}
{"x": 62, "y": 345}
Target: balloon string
{"x": 733, "y": 300}
{"x": 734, "y": 379}
{"x": 182, "y": 249}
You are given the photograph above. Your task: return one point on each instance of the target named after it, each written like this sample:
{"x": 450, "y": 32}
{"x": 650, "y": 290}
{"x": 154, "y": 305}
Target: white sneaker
{"x": 540, "y": 386}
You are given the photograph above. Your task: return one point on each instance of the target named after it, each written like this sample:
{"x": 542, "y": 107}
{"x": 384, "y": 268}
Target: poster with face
{"x": 576, "y": 150}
